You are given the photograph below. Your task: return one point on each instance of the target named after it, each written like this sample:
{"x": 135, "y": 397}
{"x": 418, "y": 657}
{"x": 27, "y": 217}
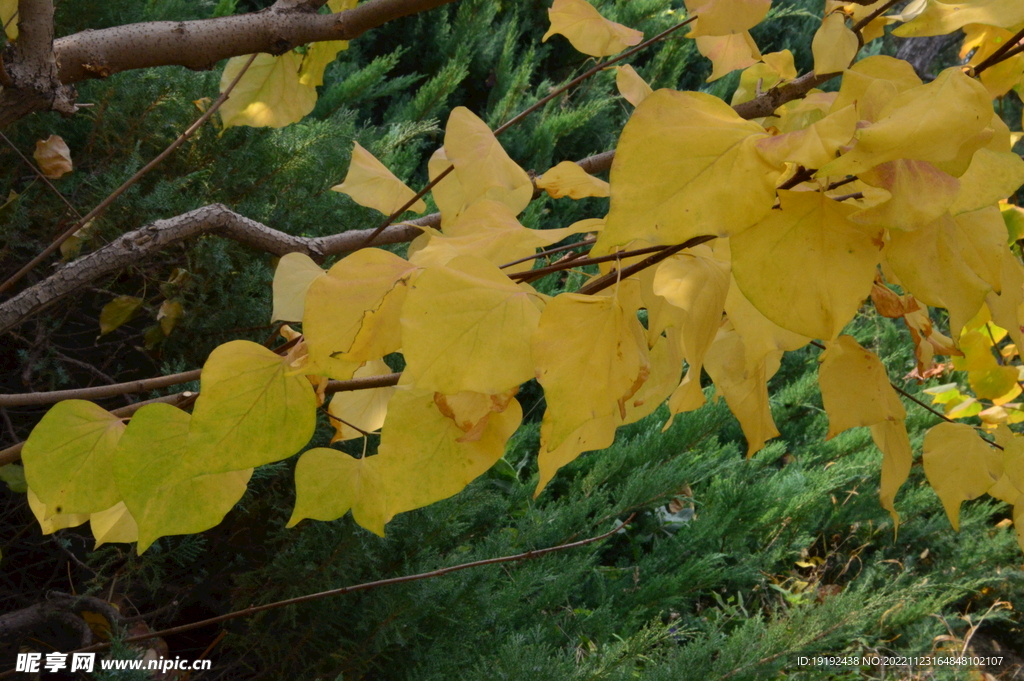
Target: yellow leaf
{"x": 318, "y": 57}
{"x": 250, "y": 410}
{"x": 449, "y": 196}
{"x": 666, "y": 360}
{"x": 933, "y": 263}
{"x": 631, "y": 86}
{"x": 759, "y": 333}
{"x": 169, "y": 314}
{"x": 873, "y": 82}
{"x": 991, "y": 177}
{"x": 593, "y": 435}
{"x": 292, "y": 278}
{"x": 470, "y": 411}
{"x": 163, "y": 479}
{"x": 1007, "y": 306}
{"x": 51, "y": 522}
{"x": 467, "y": 326}
{"x": 583, "y": 382}
{"x": 959, "y": 465}
{"x": 834, "y": 45}
{"x": 269, "y": 93}
{"x": 695, "y": 284}
{"x": 363, "y": 409}
{"x": 679, "y": 161}
{"x": 117, "y": 312}
{"x": 369, "y": 183}
{"x": 487, "y": 229}
{"x": 920, "y": 195}
{"x": 940, "y": 18}
{"x": 328, "y": 483}
{"x": 897, "y": 458}
{"x": 815, "y": 145}
{"x": 740, "y": 373}
{"x": 588, "y": 31}
{"x": 773, "y": 69}
{"x": 482, "y": 166}
{"x": 806, "y": 267}
{"x": 723, "y": 17}
{"x": 113, "y": 526}
{"x": 9, "y": 18}
{"x": 728, "y": 52}
{"x": 68, "y": 458}
{"x": 352, "y": 314}
{"x": 53, "y": 157}
{"x": 423, "y": 457}
{"x": 855, "y": 388}
{"x": 569, "y": 179}
{"x": 929, "y": 123}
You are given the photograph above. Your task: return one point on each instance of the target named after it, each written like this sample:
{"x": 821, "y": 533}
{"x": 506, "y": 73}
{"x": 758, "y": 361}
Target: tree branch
{"x": 31, "y": 81}
{"x": 360, "y": 587}
{"x": 200, "y": 44}
{"x": 156, "y": 236}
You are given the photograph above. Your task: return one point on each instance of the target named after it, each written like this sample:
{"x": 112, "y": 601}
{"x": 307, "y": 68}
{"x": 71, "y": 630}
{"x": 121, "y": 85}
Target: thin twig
{"x": 926, "y": 407}
{"x": 871, "y": 17}
{"x": 523, "y": 114}
{"x": 252, "y": 610}
{"x": 551, "y": 251}
{"x": 601, "y": 283}
{"x": 128, "y": 183}
{"x": 568, "y": 264}
{"x": 39, "y": 172}
{"x": 1002, "y": 53}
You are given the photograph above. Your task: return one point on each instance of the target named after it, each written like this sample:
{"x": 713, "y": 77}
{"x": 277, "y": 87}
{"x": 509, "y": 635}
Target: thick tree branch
{"x": 158, "y": 235}
{"x": 30, "y": 77}
{"x": 58, "y": 607}
{"x": 202, "y": 43}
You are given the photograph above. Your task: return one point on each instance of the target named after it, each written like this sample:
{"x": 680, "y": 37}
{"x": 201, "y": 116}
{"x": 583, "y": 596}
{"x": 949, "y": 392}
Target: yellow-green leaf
{"x": 117, "y": 312}
{"x": 68, "y": 458}
{"x": 806, "y": 267}
{"x": 588, "y": 31}
{"x": 959, "y": 465}
{"x": 292, "y": 278}
{"x": 369, "y": 183}
{"x": 328, "y": 483}
{"x": 467, "y": 326}
{"x": 269, "y": 93}
{"x": 163, "y": 479}
{"x": 250, "y": 410}
{"x": 681, "y": 161}
{"x": 855, "y": 388}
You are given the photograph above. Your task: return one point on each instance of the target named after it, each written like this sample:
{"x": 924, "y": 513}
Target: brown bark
{"x": 198, "y": 44}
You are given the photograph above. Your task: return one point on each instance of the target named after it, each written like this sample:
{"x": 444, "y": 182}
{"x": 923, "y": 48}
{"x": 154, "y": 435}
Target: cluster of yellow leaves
{"x": 812, "y": 210}
{"x": 168, "y": 472}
